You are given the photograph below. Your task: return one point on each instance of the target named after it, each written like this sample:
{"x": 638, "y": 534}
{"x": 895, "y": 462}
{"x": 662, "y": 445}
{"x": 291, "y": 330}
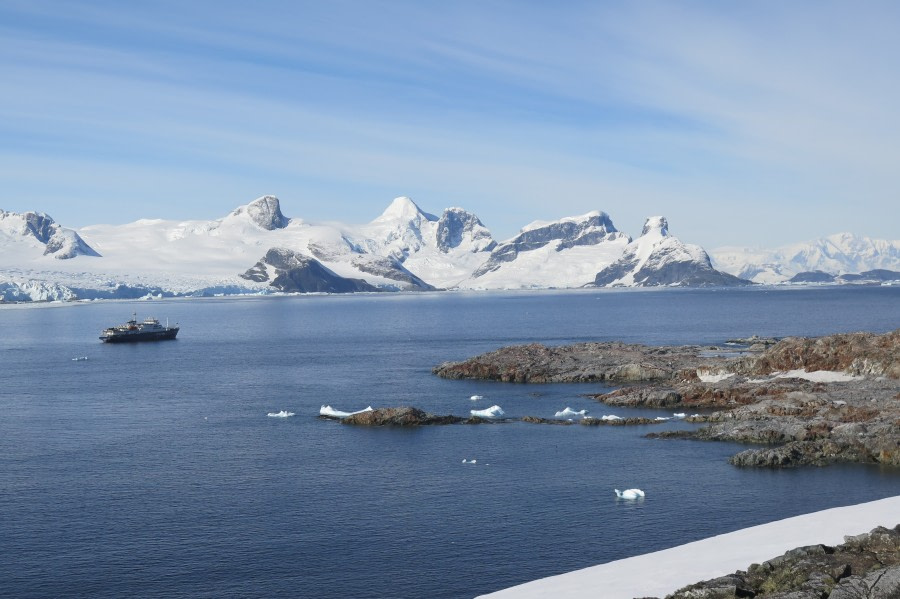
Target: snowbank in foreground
{"x": 663, "y": 572}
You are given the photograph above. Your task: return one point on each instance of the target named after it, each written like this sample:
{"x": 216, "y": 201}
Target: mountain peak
{"x": 403, "y": 208}
{"x": 265, "y": 212}
{"x": 656, "y": 225}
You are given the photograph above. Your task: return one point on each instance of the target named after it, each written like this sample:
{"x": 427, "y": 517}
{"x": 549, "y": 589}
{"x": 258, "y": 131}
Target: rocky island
{"x": 808, "y": 400}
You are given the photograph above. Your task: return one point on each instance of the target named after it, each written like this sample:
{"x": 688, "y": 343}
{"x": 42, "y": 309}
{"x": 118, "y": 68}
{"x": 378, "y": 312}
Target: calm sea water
{"x": 153, "y": 470}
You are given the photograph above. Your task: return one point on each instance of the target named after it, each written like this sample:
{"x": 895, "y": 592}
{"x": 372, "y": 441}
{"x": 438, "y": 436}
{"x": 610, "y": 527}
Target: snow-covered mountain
{"x": 656, "y": 258}
{"x": 564, "y": 253}
{"x": 257, "y": 249}
{"x": 841, "y": 253}
{"x": 24, "y": 234}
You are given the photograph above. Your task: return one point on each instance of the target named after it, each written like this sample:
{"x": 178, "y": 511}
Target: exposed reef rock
{"x": 810, "y": 401}
{"x": 866, "y": 566}
{"x": 409, "y": 416}
{"x": 403, "y": 416}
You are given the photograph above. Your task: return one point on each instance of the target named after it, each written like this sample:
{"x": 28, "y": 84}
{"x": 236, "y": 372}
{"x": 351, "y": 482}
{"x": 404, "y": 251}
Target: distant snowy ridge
{"x": 256, "y": 249}
{"x": 837, "y": 254}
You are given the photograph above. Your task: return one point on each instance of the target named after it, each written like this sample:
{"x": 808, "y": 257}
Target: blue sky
{"x": 745, "y": 123}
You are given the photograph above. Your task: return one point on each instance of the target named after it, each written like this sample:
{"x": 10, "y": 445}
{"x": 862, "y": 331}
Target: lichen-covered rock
{"x": 863, "y": 567}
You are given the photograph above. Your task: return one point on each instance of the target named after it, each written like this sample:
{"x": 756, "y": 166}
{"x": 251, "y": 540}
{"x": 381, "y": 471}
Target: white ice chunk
{"x": 281, "y": 414}
{"x": 329, "y": 411}
{"x": 629, "y": 494}
{"x": 476, "y": 397}
{"x": 610, "y": 417}
{"x": 678, "y": 415}
{"x": 570, "y": 413}
{"x": 491, "y": 412}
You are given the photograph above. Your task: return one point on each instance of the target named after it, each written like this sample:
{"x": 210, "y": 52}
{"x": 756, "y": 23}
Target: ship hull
{"x": 140, "y": 336}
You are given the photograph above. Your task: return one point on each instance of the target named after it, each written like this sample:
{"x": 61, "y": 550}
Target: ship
{"x": 148, "y": 329}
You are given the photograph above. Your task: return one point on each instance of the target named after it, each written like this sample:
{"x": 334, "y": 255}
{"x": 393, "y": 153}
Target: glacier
{"x": 257, "y": 249}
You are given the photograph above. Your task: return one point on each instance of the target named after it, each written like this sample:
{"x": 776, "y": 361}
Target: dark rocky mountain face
{"x": 297, "y": 273}
{"x": 265, "y": 212}
{"x": 60, "y": 242}
{"x": 668, "y": 272}
{"x": 454, "y": 225}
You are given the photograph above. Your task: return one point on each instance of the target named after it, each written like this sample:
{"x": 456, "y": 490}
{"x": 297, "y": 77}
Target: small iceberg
{"x": 491, "y": 412}
{"x": 331, "y": 412}
{"x": 610, "y": 417}
{"x": 630, "y": 494}
{"x": 661, "y": 418}
{"x": 678, "y": 415}
{"x": 465, "y": 461}
{"x": 476, "y": 397}
{"x": 80, "y": 359}
{"x": 570, "y": 413}
{"x": 281, "y": 414}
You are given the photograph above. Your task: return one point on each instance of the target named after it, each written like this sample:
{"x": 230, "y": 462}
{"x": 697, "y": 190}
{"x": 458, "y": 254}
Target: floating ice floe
{"x": 329, "y": 411}
{"x": 662, "y": 418}
{"x": 630, "y": 494}
{"x": 476, "y": 397}
{"x": 570, "y": 413}
{"x": 610, "y": 417}
{"x": 465, "y": 461}
{"x": 281, "y": 414}
{"x": 491, "y": 412}
{"x": 80, "y": 359}
{"x": 678, "y": 415}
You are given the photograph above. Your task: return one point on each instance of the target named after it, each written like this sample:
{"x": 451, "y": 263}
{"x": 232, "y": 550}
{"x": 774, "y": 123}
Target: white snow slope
{"x": 662, "y": 572}
{"x": 565, "y": 253}
{"x": 841, "y": 253}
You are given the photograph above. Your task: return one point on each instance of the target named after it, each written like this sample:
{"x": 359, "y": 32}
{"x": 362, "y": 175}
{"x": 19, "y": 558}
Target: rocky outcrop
{"x": 403, "y": 416}
{"x": 264, "y": 212}
{"x": 850, "y": 415}
{"x": 812, "y": 276}
{"x": 290, "y": 271}
{"x": 457, "y": 227}
{"x": 390, "y": 268}
{"x": 866, "y": 566}
{"x": 582, "y": 362}
{"x": 853, "y": 353}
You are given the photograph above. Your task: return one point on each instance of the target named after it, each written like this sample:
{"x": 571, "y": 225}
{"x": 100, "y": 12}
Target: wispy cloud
{"x": 518, "y": 111}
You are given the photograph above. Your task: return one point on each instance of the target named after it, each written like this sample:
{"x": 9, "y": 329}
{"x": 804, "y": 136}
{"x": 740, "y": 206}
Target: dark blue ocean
{"x": 153, "y": 470}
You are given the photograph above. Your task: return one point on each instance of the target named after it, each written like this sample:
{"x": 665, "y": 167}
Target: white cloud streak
{"x": 701, "y": 111}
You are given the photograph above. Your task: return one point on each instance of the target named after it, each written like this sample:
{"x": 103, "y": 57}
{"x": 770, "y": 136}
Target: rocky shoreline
{"x": 808, "y": 400}
{"x": 865, "y": 566}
